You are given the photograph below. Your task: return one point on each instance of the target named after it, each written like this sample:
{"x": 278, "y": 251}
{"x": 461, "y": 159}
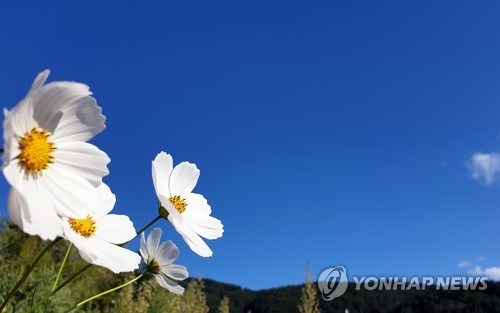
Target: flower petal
{"x": 113, "y": 257}
{"x": 82, "y": 159}
{"x": 40, "y": 79}
{"x": 50, "y": 100}
{"x": 177, "y": 272}
{"x": 37, "y": 218}
{"x": 16, "y": 206}
{"x": 183, "y": 179}
{"x": 115, "y": 228}
{"x": 16, "y": 176}
{"x": 81, "y": 243}
{"x": 99, "y": 252}
{"x": 9, "y": 141}
{"x": 71, "y": 195}
{"x": 205, "y": 226}
{"x": 106, "y": 202}
{"x": 21, "y": 118}
{"x": 161, "y": 169}
{"x": 170, "y": 285}
{"x": 167, "y": 253}
{"x": 197, "y": 204}
{"x": 190, "y": 237}
{"x": 80, "y": 122}
{"x": 168, "y": 206}
{"x": 143, "y": 249}
{"x": 153, "y": 242}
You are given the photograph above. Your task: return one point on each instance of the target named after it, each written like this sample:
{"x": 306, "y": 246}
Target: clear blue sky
{"x": 334, "y": 132}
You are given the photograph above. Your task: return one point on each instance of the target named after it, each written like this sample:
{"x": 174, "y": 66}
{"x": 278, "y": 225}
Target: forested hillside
{"x": 17, "y": 250}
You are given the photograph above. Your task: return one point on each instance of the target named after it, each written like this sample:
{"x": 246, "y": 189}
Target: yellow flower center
{"x": 85, "y": 227}
{"x": 179, "y": 203}
{"x": 36, "y": 150}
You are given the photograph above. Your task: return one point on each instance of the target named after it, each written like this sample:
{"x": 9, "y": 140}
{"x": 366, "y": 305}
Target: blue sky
{"x": 329, "y": 132}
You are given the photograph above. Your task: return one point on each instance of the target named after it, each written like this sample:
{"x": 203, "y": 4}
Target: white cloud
{"x": 484, "y": 167}
{"x": 470, "y": 263}
{"x": 492, "y": 273}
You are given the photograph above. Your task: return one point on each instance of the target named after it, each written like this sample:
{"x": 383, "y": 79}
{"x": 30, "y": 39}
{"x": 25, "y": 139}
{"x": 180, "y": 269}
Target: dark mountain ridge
{"x": 286, "y": 299}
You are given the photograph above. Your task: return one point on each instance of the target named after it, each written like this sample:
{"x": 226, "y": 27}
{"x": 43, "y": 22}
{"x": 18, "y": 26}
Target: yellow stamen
{"x": 85, "y": 227}
{"x": 36, "y": 150}
{"x": 179, "y": 203}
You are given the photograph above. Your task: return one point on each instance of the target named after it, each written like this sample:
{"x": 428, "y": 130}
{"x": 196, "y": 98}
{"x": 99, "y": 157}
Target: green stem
{"x": 59, "y": 273}
{"x": 64, "y": 283}
{"x": 27, "y": 272}
{"x": 62, "y": 266}
{"x": 146, "y": 227}
{"x": 83, "y": 269}
{"x": 104, "y": 293}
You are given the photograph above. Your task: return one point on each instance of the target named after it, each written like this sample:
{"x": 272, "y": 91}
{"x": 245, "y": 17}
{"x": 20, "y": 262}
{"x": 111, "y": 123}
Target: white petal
{"x": 153, "y": 242}
{"x": 71, "y": 195}
{"x": 40, "y": 79}
{"x": 183, "y": 179}
{"x": 16, "y": 206}
{"x": 38, "y": 218}
{"x": 16, "y": 176}
{"x": 177, "y": 272}
{"x": 190, "y": 237}
{"x": 115, "y": 229}
{"x": 115, "y": 258}
{"x": 22, "y": 114}
{"x": 161, "y": 169}
{"x": 99, "y": 252}
{"x": 169, "y": 284}
{"x": 205, "y": 226}
{"x": 106, "y": 202}
{"x": 168, "y": 206}
{"x": 81, "y": 243}
{"x": 143, "y": 249}
{"x": 8, "y": 138}
{"x": 82, "y": 159}
{"x": 197, "y": 204}
{"x": 21, "y": 118}
{"x": 80, "y": 122}
{"x": 50, "y": 100}
{"x": 167, "y": 253}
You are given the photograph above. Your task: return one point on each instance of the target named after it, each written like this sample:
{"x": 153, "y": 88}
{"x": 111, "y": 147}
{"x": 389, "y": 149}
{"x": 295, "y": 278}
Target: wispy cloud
{"x": 484, "y": 167}
{"x": 492, "y": 273}
{"x": 470, "y": 263}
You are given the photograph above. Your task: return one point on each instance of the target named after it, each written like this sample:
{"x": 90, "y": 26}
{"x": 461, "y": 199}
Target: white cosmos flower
{"x": 96, "y": 235}
{"x": 159, "y": 258}
{"x": 188, "y": 212}
{"x": 46, "y": 158}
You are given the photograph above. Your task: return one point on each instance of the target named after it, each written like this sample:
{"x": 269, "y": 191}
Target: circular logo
{"x": 333, "y": 282}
